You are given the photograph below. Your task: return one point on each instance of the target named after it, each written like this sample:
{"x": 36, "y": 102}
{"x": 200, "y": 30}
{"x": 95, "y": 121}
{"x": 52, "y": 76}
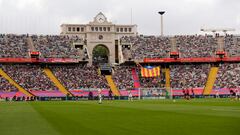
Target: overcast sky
{"x": 182, "y": 16}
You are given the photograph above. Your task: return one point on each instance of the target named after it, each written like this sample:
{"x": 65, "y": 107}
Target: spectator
{"x": 56, "y": 46}
{"x": 13, "y": 46}
{"x": 5, "y": 86}
{"x": 79, "y": 76}
{"x": 189, "y": 76}
{"x": 228, "y": 76}
{"x": 30, "y": 77}
{"x": 123, "y": 77}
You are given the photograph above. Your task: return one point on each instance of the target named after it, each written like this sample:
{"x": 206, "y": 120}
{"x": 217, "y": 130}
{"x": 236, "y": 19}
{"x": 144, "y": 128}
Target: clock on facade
{"x": 101, "y": 18}
{"x": 100, "y": 37}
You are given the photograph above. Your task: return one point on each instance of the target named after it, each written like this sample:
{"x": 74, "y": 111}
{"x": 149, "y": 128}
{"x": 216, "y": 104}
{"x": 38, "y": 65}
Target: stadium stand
{"x": 123, "y": 77}
{"x": 232, "y": 45}
{"x": 189, "y": 76}
{"x": 79, "y": 77}
{"x": 13, "y": 46}
{"x": 21, "y": 90}
{"x": 56, "y": 46}
{"x": 196, "y": 46}
{"x": 147, "y": 47}
{"x": 82, "y": 77}
{"x": 30, "y": 77}
{"x": 228, "y": 76}
{"x": 5, "y": 86}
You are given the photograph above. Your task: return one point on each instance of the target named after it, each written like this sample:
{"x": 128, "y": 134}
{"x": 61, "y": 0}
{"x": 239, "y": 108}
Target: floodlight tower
{"x": 161, "y": 13}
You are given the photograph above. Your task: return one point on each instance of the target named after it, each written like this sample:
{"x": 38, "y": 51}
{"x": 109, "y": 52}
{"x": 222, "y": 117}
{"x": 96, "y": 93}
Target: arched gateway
{"x": 100, "y": 54}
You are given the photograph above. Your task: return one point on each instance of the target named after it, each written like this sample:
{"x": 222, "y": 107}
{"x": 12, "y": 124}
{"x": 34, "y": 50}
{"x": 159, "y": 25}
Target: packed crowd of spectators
{"x": 152, "y": 82}
{"x": 148, "y": 47}
{"x": 79, "y": 77}
{"x": 138, "y": 47}
{"x": 232, "y": 45}
{"x": 191, "y": 46}
{"x": 228, "y": 76}
{"x": 30, "y": 77}
{"x": 123, "y": 77}
{"x": 5, "y": 86}
{"x": 56, "y": 46}
{"x": 189, "y": 76}
{"x": 13, "y": 46}
{"x": 196, "y": 46}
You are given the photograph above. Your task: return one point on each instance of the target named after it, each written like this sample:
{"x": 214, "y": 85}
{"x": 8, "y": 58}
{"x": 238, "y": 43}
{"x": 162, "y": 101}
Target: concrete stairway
{"x": 31, "y": 44}
{"x": 57, "y": 83}
{"x": 211, "y": 80}
{"x": 167, "y": 76}
{"x": 112, "y": 85}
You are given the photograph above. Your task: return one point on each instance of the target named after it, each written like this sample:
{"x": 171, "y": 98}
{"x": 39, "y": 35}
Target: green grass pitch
{"x": 146, "y": 117}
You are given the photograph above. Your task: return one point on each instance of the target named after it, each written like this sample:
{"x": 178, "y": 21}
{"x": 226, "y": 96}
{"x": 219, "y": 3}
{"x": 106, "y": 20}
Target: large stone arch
{"x": 105, "y": 55}
{"x": 109, "y": 46}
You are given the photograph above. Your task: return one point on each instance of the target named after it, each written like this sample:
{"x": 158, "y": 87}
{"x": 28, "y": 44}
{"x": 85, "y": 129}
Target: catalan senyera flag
{"x": 150, "y": 71}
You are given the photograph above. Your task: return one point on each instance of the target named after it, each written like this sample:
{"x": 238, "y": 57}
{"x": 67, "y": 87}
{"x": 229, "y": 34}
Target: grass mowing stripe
{"x": 19, "y": 118}
{"x": 61, "y": 116}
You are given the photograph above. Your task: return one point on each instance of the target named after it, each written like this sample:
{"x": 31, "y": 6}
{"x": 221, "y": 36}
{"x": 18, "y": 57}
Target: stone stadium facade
{"x": 102, "y": 32}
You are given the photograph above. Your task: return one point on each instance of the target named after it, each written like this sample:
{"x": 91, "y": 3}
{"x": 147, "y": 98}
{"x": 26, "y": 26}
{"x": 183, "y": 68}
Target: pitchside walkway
{"x": 57, "y": 83}
{"x": 11, "y": 81}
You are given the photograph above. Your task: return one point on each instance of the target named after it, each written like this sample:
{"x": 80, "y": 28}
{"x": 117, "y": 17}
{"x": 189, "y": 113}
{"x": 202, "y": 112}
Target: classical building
{"x": 100, "y": 32}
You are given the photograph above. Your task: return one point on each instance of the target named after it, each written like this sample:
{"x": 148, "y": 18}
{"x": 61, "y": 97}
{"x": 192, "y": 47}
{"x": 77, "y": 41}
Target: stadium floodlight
{"x": 161, "y": 13}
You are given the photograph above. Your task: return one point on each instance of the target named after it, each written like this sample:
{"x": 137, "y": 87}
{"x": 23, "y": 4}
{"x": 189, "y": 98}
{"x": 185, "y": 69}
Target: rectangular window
{"x": 117, "y": 29}
{"x": 82, "y": 29}
{"x": 92, "y": 28}
{"x": 109, "y": 28}
{"x": 69, "y": 29}
{"x": 121, "y": 29}
{"x": 78, "y": 29}
{"x": 100, "y": 28}
{"x": 130, "y": 29}
{"x": 96, "y": 28}
{"x": 73, "y": 28}
{"x": 104, "y": 29}
{"x": 125, "y": 29}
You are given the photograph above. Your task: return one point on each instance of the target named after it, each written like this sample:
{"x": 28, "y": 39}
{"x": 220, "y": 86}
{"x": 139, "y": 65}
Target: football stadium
{"x": 103, "y": 77}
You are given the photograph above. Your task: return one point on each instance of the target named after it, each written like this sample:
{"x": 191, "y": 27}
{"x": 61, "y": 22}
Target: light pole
{"x": 161, "y": 13}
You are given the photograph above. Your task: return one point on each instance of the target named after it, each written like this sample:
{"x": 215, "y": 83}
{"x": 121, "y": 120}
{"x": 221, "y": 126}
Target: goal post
{"x": 153, "y": 93}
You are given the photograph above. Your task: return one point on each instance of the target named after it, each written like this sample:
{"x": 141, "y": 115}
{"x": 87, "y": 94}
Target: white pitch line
{"x": 231, "y": 110}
